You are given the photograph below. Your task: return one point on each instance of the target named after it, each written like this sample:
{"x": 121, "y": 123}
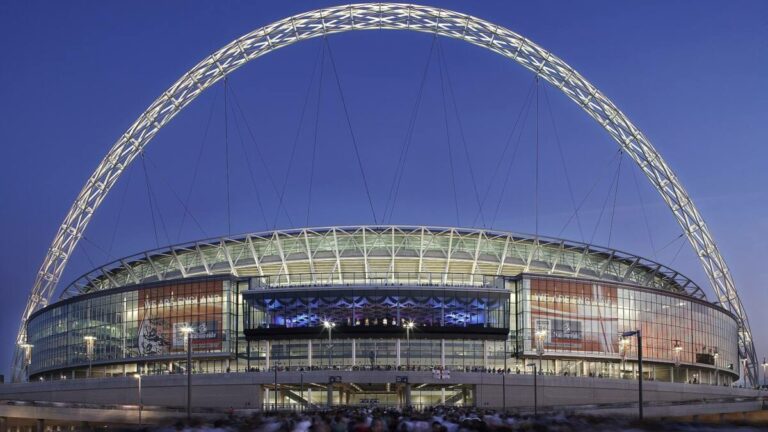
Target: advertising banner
{"x": 165, "y": 311}
{"x": 577, "y": 316}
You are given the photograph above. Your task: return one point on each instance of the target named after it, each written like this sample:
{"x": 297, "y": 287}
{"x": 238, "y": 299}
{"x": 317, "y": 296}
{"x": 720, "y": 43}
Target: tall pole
{"x": 329, "y": 325}
{"x": 408, "y": 326}
{"x": 640, "y": 368}
{"x": 504, "y": 381}
{"x": 535, "y": 391}
{"x": 141, "y": 404}
{"x": 188, "y": 339}
{"x": 275, "y": 366}
{"x": 89, "y": 341}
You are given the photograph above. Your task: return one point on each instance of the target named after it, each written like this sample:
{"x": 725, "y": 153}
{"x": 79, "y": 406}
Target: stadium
{"x": 383, "y": 314}
{"x": 442, "y": 300}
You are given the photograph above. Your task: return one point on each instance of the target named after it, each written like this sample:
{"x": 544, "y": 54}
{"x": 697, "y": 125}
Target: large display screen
{"x": 165, "y": 312}
{"x": 574, "y": 316}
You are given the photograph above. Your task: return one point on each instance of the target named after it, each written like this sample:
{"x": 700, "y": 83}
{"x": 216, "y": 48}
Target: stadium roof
{"x": 352, "y": 251}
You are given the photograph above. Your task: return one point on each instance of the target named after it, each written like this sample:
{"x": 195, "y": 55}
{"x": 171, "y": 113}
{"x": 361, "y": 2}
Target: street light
{"x": 677, "y": 348}
{"x": 639, "y": 367}
{"x": 535, "y": 391}
{"x": 187, "y": 330}
{"x": 141, "y": 404}
{"x": 89, "y": 342}
{"x": 408, "y": 327}
{"x": 541, "y": 335}
{"x": 329, "y": 325}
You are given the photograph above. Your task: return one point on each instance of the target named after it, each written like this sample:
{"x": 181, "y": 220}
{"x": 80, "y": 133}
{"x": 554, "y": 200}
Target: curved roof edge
{"x": 329, "y": 249}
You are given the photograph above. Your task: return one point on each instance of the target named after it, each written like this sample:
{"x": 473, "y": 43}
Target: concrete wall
{"x": 244, "y": 390}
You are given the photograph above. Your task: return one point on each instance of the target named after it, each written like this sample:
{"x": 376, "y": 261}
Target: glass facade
{"x": 570, "y": 326}
{"x": 110, "y": 329}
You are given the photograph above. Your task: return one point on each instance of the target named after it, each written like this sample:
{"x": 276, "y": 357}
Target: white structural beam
{"x": 392, "y": 16}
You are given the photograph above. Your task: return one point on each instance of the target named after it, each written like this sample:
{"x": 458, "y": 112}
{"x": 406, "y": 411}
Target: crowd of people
{"x": 435, "y": 419}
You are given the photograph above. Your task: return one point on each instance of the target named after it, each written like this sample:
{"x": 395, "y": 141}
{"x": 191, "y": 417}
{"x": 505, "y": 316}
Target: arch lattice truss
{"x": 391, "y": 17}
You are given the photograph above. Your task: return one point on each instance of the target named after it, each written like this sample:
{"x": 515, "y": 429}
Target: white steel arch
{"x": 392, "y": 16}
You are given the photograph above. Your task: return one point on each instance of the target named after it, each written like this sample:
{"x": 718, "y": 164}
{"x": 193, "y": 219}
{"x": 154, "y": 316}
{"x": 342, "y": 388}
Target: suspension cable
{"x": 448, "y": 140}
{"x": 563, "y": 163}
{"x": 536, "y": 186}
{"x": 251, "y": 175}
{"x": 226, "y": 157}
{"x": 645, "y": 215}
{"x": 297, "y": 135}
{"x": 508, "y": 143}
{"x": 405, "y": 147}
{"x": 525, "y": 111}
{"x": 607, "y": 198}
{"x": 120, "y": 211}
{"x": 196, "y": 168}
{"x": 259, "y": 154}
{"x": 462, "y": 135}
{"x": 317, "y": 126}
{"x": 615, "y": 197}
{"x": 351, "y": 131}
{"x": 607, "y": 165}
{"x": 177, "y": 197}
{"x": 149, "y": 197}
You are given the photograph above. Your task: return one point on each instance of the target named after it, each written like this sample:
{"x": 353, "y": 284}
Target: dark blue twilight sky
{"x": 74, "y": 75}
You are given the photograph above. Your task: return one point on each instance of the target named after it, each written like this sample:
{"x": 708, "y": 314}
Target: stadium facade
{"x": 394, "y": 298}
{"x": 393, "y": 314}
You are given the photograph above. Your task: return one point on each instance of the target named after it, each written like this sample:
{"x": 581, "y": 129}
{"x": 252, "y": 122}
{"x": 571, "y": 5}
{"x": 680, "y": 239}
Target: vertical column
{"x": 40, "y": 425}
{"x": 268, "y": 353}
{"x": 397, "y": 352}
{"x": 309, "y": 353}
{"x": 408, "y": 394}
{"x": 354, "y": 352}
{"x": 442, "y": 395}
{"x": 442, "y": 353}
{"x": 329, "y": 395}
{"x": 3, "y": 424}
{"x": 485, "y": 355}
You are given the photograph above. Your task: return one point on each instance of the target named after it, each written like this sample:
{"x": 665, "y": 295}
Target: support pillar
{"x": 485, "y": 355}
{"x": 408, "y": 395}
{"x": 268, "y": 354}
{"x": 3, "y": 424}
{"x": 329, "y": 395}
{"x": 40, "y": 425}
{"x": 397, "y": 352}
{"x": 309, "y": 353}
{"x": 442, "y": 395}
{"x": 442, "y": 353}
{"x": 354, "y": 353}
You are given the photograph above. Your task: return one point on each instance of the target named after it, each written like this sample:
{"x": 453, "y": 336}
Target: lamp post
{"x": 639, "y": 367}
{"x": 141, "y": 404}
{"x": 535, "y": 391}
{"x": 188, "y": 341}
{"x": 504, "y": 380}
{"x": 329, "y": 325}
{"x": 541, "y": 335}
{"x": 89, "y": 343}
{"x": 408, "y": 327}
{"x": 28, "y": 357}
{"x": 275, "y": 367}
{"x": 677, "y": 350}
